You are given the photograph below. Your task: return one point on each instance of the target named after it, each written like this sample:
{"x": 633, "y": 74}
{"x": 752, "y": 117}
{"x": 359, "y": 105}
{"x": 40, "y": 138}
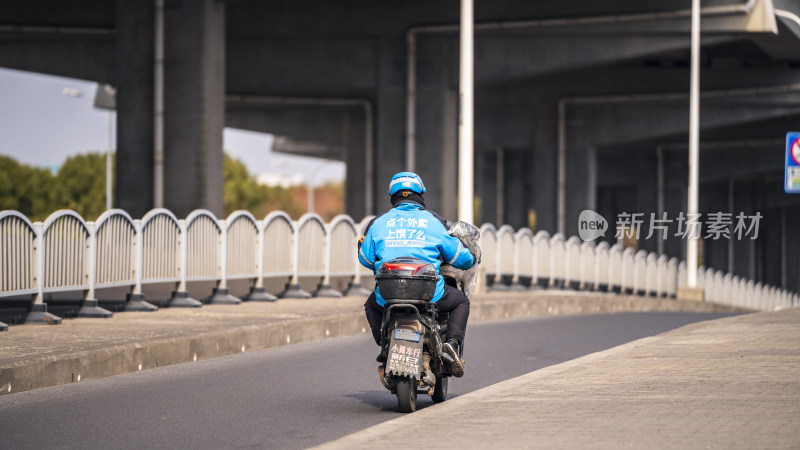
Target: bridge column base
{"x": 357, "y": 290}
{"x": 259, "y": 295}
{"x": 294, "y": 291}
{"x": 222, "y": 296}
{"x": 39, "y": 315}
{"x": 136, "y": 302}
{"x": 181, "y": 299}
{"x": 325, "y": 290}
{"x": 91, "y": 310}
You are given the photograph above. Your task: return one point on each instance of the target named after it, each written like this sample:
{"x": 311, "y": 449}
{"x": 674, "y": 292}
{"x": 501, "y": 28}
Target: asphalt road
{"x": 294, "y": 396}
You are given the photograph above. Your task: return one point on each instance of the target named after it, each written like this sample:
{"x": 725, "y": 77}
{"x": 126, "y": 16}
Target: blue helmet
{"x": 406, "y": 180}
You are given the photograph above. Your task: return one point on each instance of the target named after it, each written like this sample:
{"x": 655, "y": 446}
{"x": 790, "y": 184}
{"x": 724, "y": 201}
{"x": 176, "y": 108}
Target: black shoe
{"x": 454, "y": 363}
{"x": 381, "y": 358}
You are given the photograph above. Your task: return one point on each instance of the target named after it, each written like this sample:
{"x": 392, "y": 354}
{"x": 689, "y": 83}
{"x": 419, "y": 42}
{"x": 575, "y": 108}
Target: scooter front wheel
{"x": 407, "y": 394}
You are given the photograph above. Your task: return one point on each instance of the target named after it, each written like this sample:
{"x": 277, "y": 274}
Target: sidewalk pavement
{"x": 721, "y": 384}
{"x": 35, "y": 356}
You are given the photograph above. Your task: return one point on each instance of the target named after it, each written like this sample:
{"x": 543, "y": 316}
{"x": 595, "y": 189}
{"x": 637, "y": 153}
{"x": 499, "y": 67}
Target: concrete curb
{"x": 81, "y": 365}
{"x": 39, "y": 372}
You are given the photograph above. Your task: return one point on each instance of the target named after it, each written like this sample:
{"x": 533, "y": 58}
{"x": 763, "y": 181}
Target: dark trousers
{"x": 453, "y": 301}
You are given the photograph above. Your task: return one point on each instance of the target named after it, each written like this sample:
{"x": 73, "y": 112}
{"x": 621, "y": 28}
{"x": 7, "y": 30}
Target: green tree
{"x": 82, "y": 184}
{"x": 31, "y": 191}
{"x": 241, "y": 189}
{"x": 276, "y": 198}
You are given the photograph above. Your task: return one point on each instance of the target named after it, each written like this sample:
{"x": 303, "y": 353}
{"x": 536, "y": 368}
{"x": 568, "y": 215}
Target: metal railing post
{"x": 324, "y": 289}
{"x": 293, "y": 287}
{"x": 39, "y": 248}
{"x": 180, "y": 297}
{"x": 184, "y": 249}
{"x": 223, "y": 253}
{"x": 221, "y": 294}
{"x": 89, "y": 306}
{"x": 257, "y": 292}
{"x": 38, "y": 312}
{"x": 260, "y": 258}
{"x": 139, "y": 252}
{"x": 135, "y": 299}
{"x": 92, "y": 260}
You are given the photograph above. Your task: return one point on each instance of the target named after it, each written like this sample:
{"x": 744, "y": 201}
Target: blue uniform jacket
{"x": 408, "y": 229}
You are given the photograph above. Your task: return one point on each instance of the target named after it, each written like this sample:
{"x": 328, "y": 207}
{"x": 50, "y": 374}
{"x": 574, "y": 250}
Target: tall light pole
{"x": 694, "y": 144}
{"x": 104, "y": 99}
{"x": 465, "y": 116}
{"x": 108, "y": 159}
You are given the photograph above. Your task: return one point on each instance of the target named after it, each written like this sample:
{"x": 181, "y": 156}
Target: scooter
{"x": 412, "y": 333}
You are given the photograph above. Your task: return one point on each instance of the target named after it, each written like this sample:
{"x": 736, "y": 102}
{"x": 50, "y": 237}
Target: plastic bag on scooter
{"x": 469, "y": 235}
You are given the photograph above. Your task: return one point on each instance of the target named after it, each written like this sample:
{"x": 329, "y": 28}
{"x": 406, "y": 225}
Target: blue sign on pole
{"x": 792, "y": 174}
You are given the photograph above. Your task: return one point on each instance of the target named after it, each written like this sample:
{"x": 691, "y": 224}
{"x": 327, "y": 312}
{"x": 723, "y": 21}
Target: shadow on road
{"x": 385, "y": 401}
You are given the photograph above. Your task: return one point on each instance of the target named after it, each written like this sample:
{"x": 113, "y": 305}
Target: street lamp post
{"x": 109, "y": 204}
{"x": 694, "y": 151}
{"x": 104, "y": 99}
{"x": 465, "y": 123}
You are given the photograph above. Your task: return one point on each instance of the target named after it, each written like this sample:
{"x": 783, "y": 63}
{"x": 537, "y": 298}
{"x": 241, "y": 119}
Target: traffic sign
{"x": 792, "y": 173}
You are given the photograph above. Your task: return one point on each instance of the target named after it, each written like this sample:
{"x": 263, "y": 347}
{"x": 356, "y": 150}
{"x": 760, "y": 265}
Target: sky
{"x": 41, "y": 126}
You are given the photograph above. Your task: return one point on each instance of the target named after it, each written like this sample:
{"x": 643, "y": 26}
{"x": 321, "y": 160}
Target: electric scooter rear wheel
{"x": 407, "y": 394}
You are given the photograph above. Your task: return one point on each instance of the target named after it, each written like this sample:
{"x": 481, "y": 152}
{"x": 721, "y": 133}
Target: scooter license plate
{"x": 405, "y": 357}
{"x": 407, "y": 335}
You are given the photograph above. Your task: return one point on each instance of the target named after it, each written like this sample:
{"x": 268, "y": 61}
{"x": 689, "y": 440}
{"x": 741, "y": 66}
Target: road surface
{"x": 294, "y": 396}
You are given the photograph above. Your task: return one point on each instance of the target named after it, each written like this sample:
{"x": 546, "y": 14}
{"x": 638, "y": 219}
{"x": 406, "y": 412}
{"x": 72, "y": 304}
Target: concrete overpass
{"x": 585, "y": 95}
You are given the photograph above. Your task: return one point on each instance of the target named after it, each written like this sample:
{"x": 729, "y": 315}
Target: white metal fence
{"x": 66, "y": 253}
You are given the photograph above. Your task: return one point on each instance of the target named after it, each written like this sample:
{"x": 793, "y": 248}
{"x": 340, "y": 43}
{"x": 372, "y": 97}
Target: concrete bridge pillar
{"x": 742, "y": 203}
{"x": 504, "y": 185}
{"x": 389, "y": 119}
{"x": 646, "y": 198}
{"x": 713, "y": 200}
{"x": 194, "y": 105}
{"x": 436, "y": 126}
{"x": 437, "y": 142}
{"x": 544, "y": 167}
{"x": 792, "y": 248}
{"x": 354, "y": 125}
{"x": 579, "y": 180}
{"x": 675, "y": 201}
{"x": 134, "y": 82}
